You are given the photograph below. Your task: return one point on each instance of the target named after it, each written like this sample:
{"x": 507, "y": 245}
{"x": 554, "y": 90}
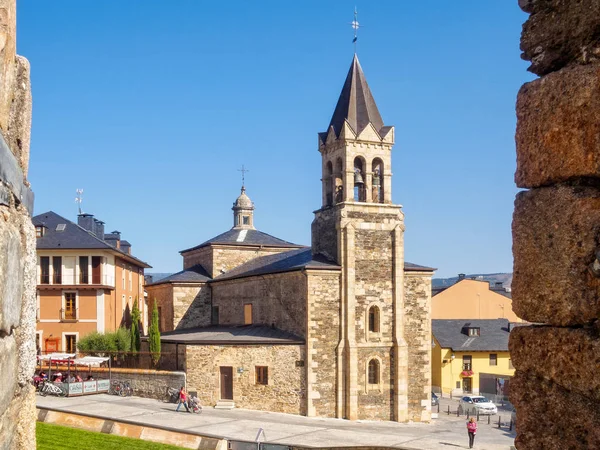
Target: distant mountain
{"x": 493, "y": 278}
{"x": 156, "y": 276}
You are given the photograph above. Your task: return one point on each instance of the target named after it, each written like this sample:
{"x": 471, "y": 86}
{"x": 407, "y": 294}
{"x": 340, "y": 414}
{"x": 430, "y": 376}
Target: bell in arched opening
{"x": 358, "y": 178}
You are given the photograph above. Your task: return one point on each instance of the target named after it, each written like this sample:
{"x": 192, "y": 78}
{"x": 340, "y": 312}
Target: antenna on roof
{"x": 79, "y": 198}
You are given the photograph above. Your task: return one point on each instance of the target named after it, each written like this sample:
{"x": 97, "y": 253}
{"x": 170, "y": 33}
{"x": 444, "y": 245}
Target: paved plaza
{"x": 446, "y": 432}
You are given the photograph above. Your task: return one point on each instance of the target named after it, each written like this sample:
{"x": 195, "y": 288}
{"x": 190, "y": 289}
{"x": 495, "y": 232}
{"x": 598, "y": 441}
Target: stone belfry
{"x": 360, "y": 228}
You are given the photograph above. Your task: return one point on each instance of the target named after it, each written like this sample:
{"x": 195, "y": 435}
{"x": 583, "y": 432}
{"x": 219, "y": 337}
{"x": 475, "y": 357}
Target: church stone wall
{"x": 556, "y": 229}
{"x": 322, "y": 341}
{"x": 202, "y": 256}
{"x": 324, "y": 234}
{"x": 277, "y": 299}
{"x": 227, "y": 258}
{"x": 417, "y": 333}
{"x": 375, "y": 401}
{"x": 17, "y": 246}
{"x": 286, "y": 388}
{"x": 191, "y": 306}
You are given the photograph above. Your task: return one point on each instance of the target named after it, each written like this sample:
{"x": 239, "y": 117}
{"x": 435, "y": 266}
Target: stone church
{"x": 338, "y": 329}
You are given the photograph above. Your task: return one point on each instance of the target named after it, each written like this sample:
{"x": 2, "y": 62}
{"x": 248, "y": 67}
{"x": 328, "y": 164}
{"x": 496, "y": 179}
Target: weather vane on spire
{"x": 355, "y": 27}
{"x": 243, "y": 174}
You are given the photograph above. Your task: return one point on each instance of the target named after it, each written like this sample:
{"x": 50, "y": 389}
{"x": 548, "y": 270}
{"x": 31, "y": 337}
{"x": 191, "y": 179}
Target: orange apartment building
{"x": 86, "y": 281}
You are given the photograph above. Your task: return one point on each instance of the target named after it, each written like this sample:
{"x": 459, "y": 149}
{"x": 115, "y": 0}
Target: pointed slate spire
{"x": 356, "y": 104}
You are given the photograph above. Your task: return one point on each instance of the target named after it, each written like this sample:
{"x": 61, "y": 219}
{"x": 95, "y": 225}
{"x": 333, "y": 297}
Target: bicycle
{"x": 120, "y": 388}
{"x": 50, "y": 388}
{"x": 172, "y": 395}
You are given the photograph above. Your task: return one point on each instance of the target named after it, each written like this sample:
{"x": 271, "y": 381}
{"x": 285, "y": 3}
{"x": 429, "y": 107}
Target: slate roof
{"x": 280, "y": 262}
{"x": 231, "y": 335}
{"x": 450, "y": 334}
{"x": 356, "y": 103}
{"x": 241, "y": 237}
{"x": 194, "y": 274}
{"x": 72, "y": 237}
{"x": 410, "y": 267}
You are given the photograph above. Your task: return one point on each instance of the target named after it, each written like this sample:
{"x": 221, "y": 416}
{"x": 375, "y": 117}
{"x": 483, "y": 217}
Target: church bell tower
{"x": 358, "y": 227}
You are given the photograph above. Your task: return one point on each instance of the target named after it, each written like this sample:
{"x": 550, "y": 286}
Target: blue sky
{"x": 152, "y": 111}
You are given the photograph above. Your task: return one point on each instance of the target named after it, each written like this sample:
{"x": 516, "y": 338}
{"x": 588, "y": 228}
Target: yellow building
{"x": 472, "y": 299}
{"x": 471, "y": 356}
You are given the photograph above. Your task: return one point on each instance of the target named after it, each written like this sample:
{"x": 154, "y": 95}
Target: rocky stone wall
{"x": 286, "y": 388}
{"x": 278, "y": 299}
{"x": 556, "y": 229}
{"x": 417, "y": 332}
{"x": 191, "y": 306}
{"x": 227, "y": 258}
{"x": 323, "y": 338}
{"x": 17, "y": 244}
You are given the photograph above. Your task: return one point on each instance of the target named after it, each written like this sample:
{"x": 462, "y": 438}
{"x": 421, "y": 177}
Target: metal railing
{"x": 104, "y": 280}
{"x": 69, "y": 315}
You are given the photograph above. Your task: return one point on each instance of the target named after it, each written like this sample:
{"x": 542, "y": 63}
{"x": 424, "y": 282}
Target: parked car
{"x": 476, "y": 403}
{"x": 435, "y": 400}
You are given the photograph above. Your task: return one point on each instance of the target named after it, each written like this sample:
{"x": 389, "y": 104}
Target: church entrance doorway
{"x": 226, "y": 383}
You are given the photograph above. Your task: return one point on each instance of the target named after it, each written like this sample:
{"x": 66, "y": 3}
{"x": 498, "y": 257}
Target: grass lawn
{"x": 54, "y": 437}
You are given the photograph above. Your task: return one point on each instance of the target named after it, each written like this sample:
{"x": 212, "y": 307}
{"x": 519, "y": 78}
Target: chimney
{"x": 114, "y": 239}
{"x": 99, "y": 228}
{"x": 126, "y": 247}
{"x": 461, "y": 276}
{"x": 86, "y": 221}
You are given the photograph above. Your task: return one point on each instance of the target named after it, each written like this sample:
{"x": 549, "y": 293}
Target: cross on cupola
{"x": 243, "y": 208}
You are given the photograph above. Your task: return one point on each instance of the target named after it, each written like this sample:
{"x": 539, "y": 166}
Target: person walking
{"x": 472, "y": 430}
{"x": 182, "y": 400}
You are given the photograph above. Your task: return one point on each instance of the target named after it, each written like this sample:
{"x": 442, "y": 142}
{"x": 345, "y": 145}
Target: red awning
{"x": 467, "y": 373}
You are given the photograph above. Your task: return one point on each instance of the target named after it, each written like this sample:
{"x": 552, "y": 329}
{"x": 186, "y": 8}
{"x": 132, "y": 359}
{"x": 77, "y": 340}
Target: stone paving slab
{"x": 447, "y": 432}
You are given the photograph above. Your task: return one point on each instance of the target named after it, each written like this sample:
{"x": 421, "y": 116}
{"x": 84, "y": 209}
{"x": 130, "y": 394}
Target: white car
{"x": 476, "y": 403}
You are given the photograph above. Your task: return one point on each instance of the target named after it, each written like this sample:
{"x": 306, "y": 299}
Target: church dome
{"x": 243, "y": 201}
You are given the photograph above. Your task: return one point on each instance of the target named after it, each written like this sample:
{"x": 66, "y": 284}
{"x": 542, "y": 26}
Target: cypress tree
{"x": 154, "y": 335}
{"x": 136, "y": 342}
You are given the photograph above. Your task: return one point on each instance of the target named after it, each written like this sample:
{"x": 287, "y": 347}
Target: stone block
{"x": 558, "y": 128}
{"x": 559, "y": 33}
{"x": 569, "y": 357}
{"x": 11, "y": 273}
{"x": 551, "y": 417}
{"x": 19, "y": 128}
{"x": 555, "y": 237}
{"x": 8, "y": 373}
{"x": 8, "y": 70}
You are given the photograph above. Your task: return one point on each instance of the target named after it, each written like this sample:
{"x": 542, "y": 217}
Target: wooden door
{"x": 226, "y": 383}
{"x": 248, "y": 314}
{"x": 467, "y": 385}
{"x": 96, "y": 273}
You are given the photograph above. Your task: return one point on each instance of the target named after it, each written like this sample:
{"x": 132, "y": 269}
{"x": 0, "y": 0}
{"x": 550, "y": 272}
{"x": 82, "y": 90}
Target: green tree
{"x": 154, "y": 335}
{"x": 136, "y": 342}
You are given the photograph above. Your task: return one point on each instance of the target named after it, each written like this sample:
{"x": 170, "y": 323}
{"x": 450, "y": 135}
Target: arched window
{"x": 378, "y": 188}
{"x": 329, "y": 181}
{"x": 373, "y": 372}
{"x": 359, "y": 180}
{"x": 374, "y": 319}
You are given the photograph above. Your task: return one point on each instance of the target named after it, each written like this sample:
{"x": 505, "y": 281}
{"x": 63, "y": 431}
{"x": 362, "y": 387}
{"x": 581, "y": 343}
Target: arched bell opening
{"x": 338, "y": 181}
{"x": 378, "y": 187}
{"x": 359, "y": 180}
{"x": 329, "y": 182}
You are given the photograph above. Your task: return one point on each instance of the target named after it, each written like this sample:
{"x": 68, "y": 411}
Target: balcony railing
{"x": 104, "y": 280}
{"x": 467, "y": 366}
{"x": 69, "y": 315}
